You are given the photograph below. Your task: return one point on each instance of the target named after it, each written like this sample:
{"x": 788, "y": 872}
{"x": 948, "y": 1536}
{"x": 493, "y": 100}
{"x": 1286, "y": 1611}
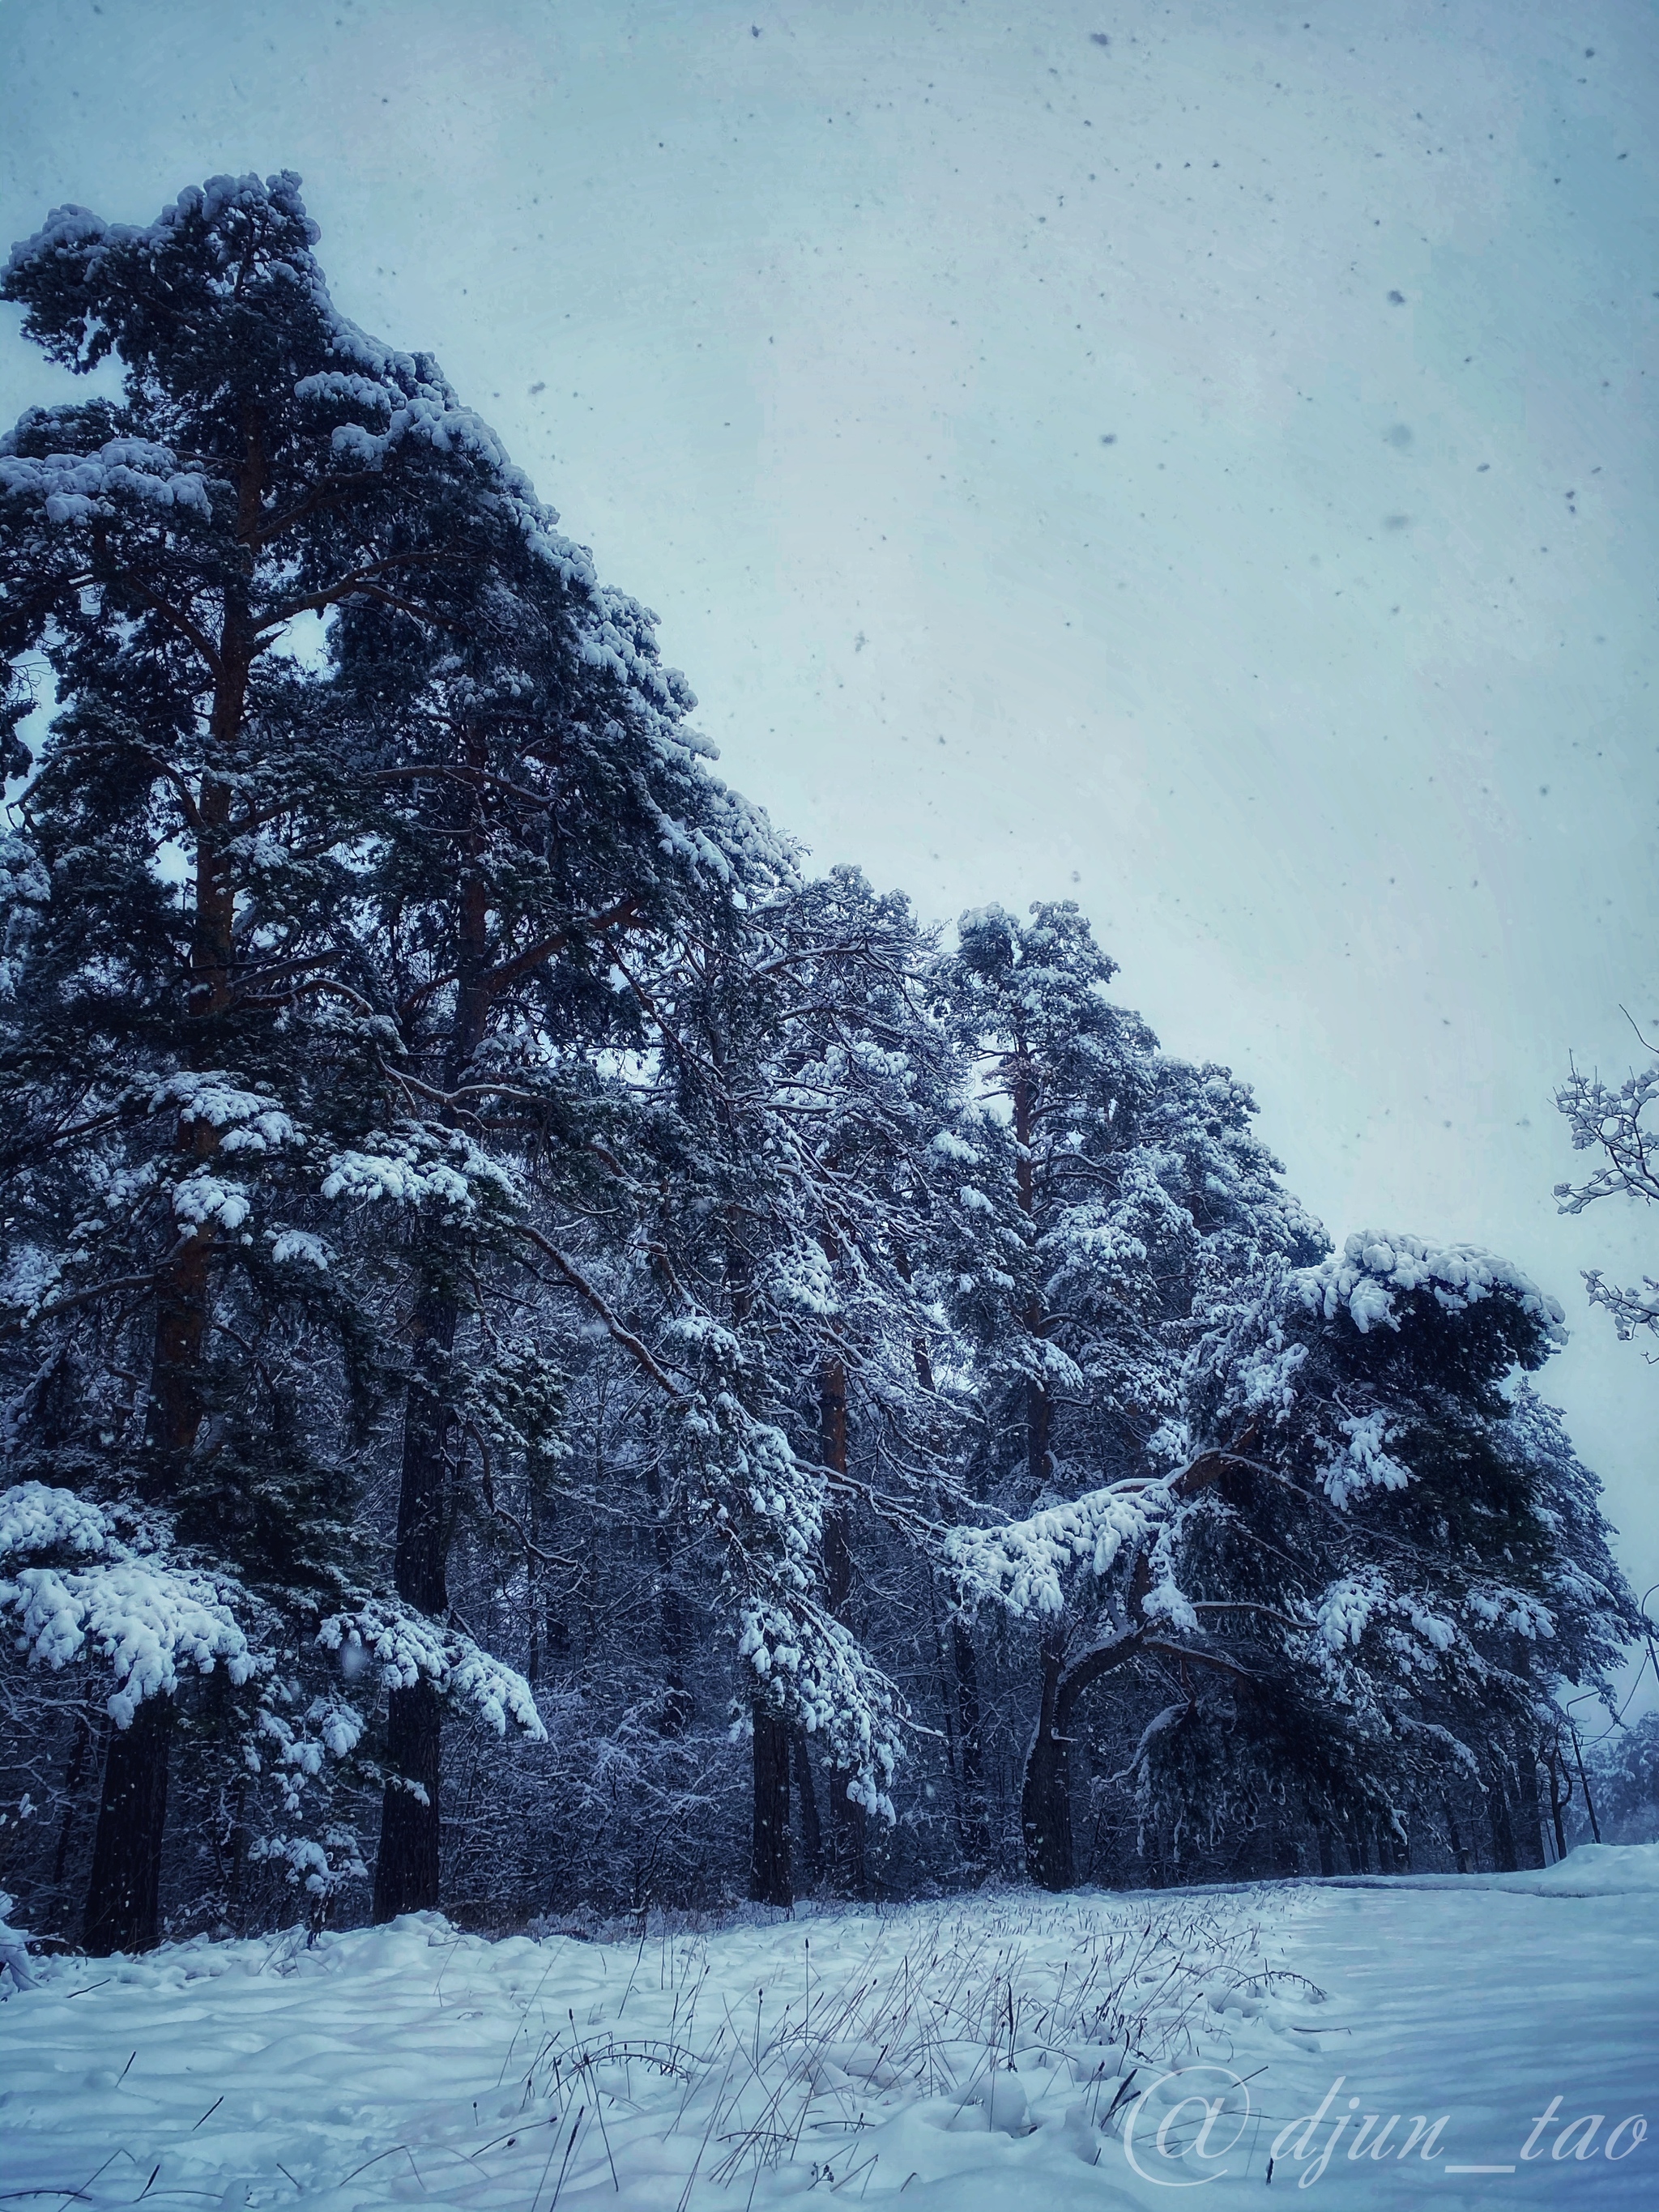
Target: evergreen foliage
{"x": 549, "y": 1355}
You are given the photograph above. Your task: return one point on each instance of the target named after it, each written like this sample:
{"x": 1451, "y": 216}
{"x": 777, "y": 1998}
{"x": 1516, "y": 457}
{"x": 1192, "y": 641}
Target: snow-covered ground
{"x": 1155, "y": 2042}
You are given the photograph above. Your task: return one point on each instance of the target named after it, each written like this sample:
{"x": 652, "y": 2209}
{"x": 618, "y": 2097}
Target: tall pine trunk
{"x": 123, "y": 1893}
{"x": 77, "y": 1762}
{"x": 970, "y": 1736}
{"x": 1045, "y": 1805}
{"x": 673, "y": 1628}
{"x": 124, "y": 1899}
{"x": 1530, "y": 1827}
{"x": 406, "y": 1867}
{"x": 968, "y": 1766}
{"x": 1046, "y": 1799}
{"x": 812, "y": 1828}
{"x": 848, "y": 1819}
{"x": 771, "y": 1871}
{"x": 406, "y": 1864}
{"x": 1558, "y": 1803}
{"x": 1502, "y": 1829}
{"x": 1453, "y": 1835}
{"x": 771, "y": 1879}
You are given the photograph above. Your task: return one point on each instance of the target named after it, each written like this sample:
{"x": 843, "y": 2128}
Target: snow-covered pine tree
{"x": 1025, "y": 1006}
{"x": 549, "y": 840}
{"x": 858, "y": 1082}
{"x": 1363, "y": 1561}
{"x": 1593, "y": 1612}
{"x": 191, "y": 1046}
{"x": 1622, "y": 1768}
{"x": 1452, "y": 1562}
{"x": 796, "y": 1082}
{"x": 1130, "y": 1189}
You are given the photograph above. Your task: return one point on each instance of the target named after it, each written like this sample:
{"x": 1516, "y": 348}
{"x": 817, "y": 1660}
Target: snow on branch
{"x": 440, "y": 1169}
{"x": 1022, "y": 1565}
{"x": 1372, "y": 1271}
{"x": 1514, "y": 1611}
{"x": 24, "y": 889}
{"x": 1629, "y": 1310}
{"x": 329, "y": 1728}
{"x": 35, "y": 1517}
{"x": 252, "y": 1120}
{"x": 766, "y": 1509}
{"x": 1360, "y": 1602}
{"x": 1600, "y": 1116}
{"x": 1362, "y": 1461}
{"x": 809, "y": 1668}
{"x": 143, "y": 1617}
{"x": 322, "y": 1870}
{"x": 407, "y": 1648}
{"x": 84, "y": 488}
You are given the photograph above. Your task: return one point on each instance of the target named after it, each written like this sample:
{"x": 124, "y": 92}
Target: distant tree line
{"x": 550, "y": 1359}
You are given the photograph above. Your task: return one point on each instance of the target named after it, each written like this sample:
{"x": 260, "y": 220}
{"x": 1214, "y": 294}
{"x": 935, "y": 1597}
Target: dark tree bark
{"x": 811, "y": 1829}
{"x": 849, "y": 1819}
{"x": 771, "y": 1880}
{"x": 1039, "y": 1426}
{"x": 124, "y": 1899}
{"x": 967, "y": 1756}
{"x": 1530, "y": 1825}
{"x": 970, "y": 1722}
{"x": 122, "y": 1895}
{"x": 77, "y": 1765}
{"x": 1558, "y": 1802}
{"x": 1039, "y": 1406}
{"x": 534, "y": 1599}
{"x": 1045, "y": 1803}
{"x": 1458, "y": 1851}
{"x": 239, "y": 1839}
{"x": 406, "y": 1864}
{"x": 1045, "y": 1807}
{"x": 677, "y": 1705}
{"x": 1502, "y": 1829}
{"x": 962, "y": 1726}
{"x": 1583, "y": 1783}
{"x": 1045, "y": 1798}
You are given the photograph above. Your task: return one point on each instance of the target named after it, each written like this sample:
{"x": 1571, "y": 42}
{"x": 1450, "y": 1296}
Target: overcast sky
{"x": 1196, "y": 459}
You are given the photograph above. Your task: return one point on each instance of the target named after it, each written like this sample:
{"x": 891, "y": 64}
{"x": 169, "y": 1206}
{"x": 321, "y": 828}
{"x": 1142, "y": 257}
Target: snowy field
{"x": 1003, "y": 2052}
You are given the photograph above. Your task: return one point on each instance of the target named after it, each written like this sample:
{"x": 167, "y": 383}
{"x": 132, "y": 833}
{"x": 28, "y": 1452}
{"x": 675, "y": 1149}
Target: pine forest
{"x": 558, "y": 1362}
